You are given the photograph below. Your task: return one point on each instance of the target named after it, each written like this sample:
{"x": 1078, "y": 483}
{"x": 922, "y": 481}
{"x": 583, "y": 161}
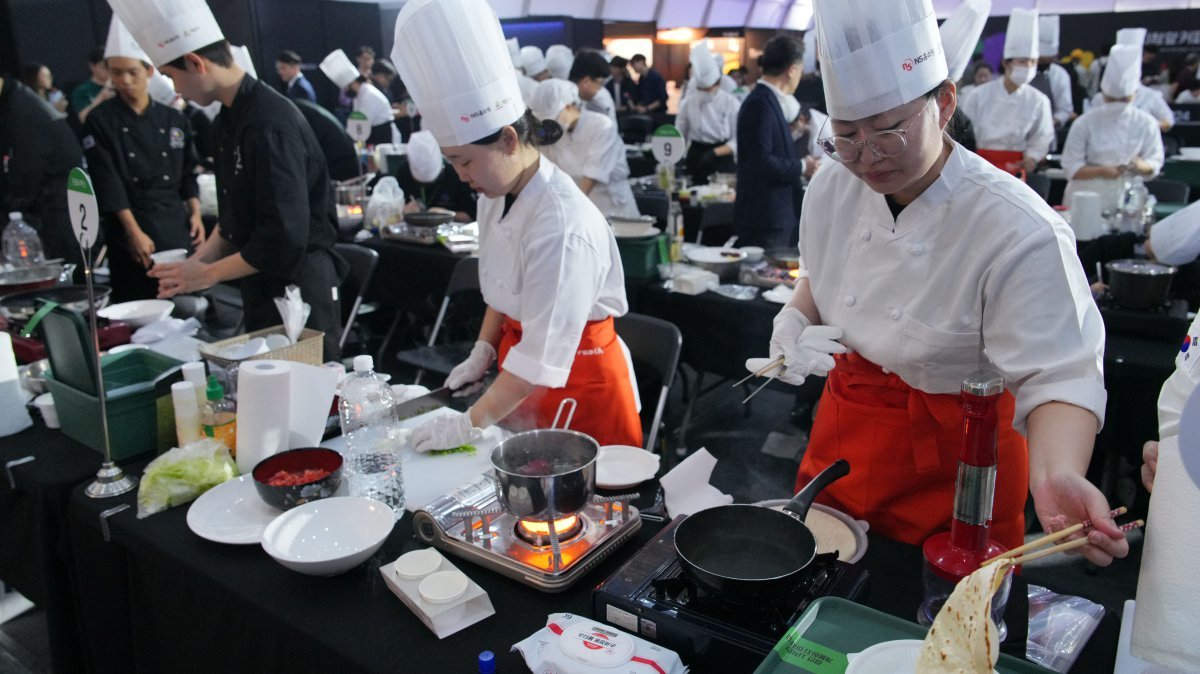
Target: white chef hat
{"x": 559, "y": 59}
{"x": 1133, "y": 36}
{"x": 810, "y": 51}
{"x": 1048, "y": 35}
{"x": 533, "y": 61}
{"x": 168, "y": 29}
{"x": 876, "y": 56}
{"x": 514, "y": 51}
{"x": 960, "y": 33}
{"x": 424, "y": 157}
{"x": 551, "y": 96}
{"x": 1021, "y": 38}
{"x": 338, "y": 68}
{"x": 705, "y": 71}
{"x": 121, "y": 43}
{"x": 241, "y": 56}
{"x": 160, "y": 87}
{"x": 452, "y": 57}
{"x": 1123, "y": 73}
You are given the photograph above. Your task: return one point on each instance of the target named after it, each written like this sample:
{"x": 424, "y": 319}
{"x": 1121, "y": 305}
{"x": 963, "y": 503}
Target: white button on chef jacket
{"x": 1019, "y": 121}
{"x": 997, "y": 260}
{"x": 594, "y": 150}
{"x": 371, "y": 102}
{"x": 559, "y": 270}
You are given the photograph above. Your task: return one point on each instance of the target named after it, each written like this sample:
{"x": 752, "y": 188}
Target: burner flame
{"x": 563, "y": 526}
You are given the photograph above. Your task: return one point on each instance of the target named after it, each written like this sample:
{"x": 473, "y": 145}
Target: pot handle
{"x": 570, "y": 415}
{"x": 799, "y": 505}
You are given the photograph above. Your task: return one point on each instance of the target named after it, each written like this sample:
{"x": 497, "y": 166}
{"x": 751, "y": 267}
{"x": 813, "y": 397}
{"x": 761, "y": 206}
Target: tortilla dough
{"x": 963, "y": 638}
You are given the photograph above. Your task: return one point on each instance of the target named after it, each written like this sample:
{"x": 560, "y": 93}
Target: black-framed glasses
{"x": 888, "y": 143}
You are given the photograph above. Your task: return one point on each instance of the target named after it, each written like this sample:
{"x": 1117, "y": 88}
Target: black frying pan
{"x": 747, "y": 552}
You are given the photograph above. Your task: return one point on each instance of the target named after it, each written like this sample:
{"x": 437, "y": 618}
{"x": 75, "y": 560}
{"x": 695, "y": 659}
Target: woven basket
{"x": 308, "y": 350}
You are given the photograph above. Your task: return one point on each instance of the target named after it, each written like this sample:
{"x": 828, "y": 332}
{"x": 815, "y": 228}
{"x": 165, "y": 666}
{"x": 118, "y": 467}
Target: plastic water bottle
{"x": 372, "y": 459}
{"x": 22, "y": 245}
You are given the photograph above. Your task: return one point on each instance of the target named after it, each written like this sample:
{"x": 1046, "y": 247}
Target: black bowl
{"x": 288, "y": 497}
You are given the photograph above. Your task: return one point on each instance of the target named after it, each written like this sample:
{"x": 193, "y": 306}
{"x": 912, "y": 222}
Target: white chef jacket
{"x": 1148, "y": 100}
{"x": 602, "y": 103}
{"x": 709, "y": 118}
{"x": 593, "y": 149}
{"x": 1110, "y": 135}
{"x": 552, "y": 264}
{"x": 1019, "y": 121}
{"x": 1062, "y": 106}
{"x": 1186, "y": 97}
{"x": 527, "y": 85}
{"x": 1176, "y": 238}
{"x": 978, "y": 251}
{"x": 371, "y": 102}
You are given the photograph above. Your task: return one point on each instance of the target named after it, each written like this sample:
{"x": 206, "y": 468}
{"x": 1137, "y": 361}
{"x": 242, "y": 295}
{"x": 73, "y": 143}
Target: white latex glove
{"x": 467, "y": 376}
{"x": 806, "y": 348}
{"x": 445, "y": 432}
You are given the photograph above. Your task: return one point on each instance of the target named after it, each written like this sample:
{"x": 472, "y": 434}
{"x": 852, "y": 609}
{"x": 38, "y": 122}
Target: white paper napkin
{"x": 686, "y": 489}
{"x": 293, "y": 311}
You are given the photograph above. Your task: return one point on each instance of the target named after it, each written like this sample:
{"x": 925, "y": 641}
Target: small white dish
{"x": 231, "y": 512}
{"x": 715, "y": 255}
{"x": 443, "y": 587}
{"x": 624, "y": 466}
{"x": 888, "y": 657}
{"x": 277, "y": 341}
{"x": 127, "y": 347}
{"x": 251, "y": 347}
{"x": 138, "y": 313}
{"x": 45, "y": 406}
{"x": 169, "y": 256}
{"x": 644, "y": 232}
{"x": 330, "y": 536}
{"x": 417, "y": 564}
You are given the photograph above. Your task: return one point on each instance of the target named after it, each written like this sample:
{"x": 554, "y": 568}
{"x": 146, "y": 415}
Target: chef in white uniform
{"x": 936, "y": 262}
{"x": 525, "y": 82}
{"x": 589, "y": 72}
{"x": 1052, "y": 79}
{"x": 1176, "y": 238}
{"x": 1013, "y": 126}
{"x": 1116, "y": 140}
{"x": 590, "y": 150}
{"x": 368, "y": 99}
{"x": 549, "y": 267}
{"x": 559, "y": 58}
{"x": 707, "y": 119}
{"x": 1146, "y": 99}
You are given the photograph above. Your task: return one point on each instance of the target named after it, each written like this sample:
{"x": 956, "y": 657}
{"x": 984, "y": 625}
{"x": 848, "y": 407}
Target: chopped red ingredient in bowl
{"x": 291, "y": 478}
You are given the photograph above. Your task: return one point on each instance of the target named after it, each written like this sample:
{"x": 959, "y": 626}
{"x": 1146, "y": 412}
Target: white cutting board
{"x": 428, "y": 477}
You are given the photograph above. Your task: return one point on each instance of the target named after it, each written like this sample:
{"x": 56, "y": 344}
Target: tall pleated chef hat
{"x": 559, "y": 59}
{"x": 551, "y": 96}
{"x": 960, "y": 33}
{"x": 1123, "y": 72}
{"x": 241, "y": 56}
{"x": 514, "y": 51}
{"x": 1021, "y": 37}
{"x": 1048, "y": 35}
{"x": 161, "y": 88}
{"x": 121, "y": 44}
{"x": 876, "y": 56}
{"x": 168, "y": 29}
{"x": 705, "y": 70}
{"x": 339, "y": 69}
{"x": 1133, "y": 36}
{"x": 451, "y": 55}
{"x": 424, "y": 157}
{"x": 533, "y": 61}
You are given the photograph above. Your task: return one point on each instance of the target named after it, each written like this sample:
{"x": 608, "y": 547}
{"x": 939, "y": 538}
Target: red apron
{"x": 903, "y": 447}
{"x": 599, "y": 383}
{"x": 1008, "y": 161}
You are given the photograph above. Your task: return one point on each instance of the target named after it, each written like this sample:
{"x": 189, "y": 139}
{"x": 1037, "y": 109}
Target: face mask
{"x": 1022, "y": 74}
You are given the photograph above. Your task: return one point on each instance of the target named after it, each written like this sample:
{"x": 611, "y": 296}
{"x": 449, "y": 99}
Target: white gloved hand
{"x": 467, "y": 376}
{"x": 445, "y": 432}
{"x": 806, "y": 348}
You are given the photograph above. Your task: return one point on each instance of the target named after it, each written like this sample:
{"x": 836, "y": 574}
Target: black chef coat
{"x": 447, "y": 191}
{"x": 338, "y": 147}
{"x": 277, "y": 208}
{"x": 145, "y": 163}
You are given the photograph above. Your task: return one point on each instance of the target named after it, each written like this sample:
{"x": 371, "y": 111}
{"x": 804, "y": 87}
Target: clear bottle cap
{"x": 364, "y": 363}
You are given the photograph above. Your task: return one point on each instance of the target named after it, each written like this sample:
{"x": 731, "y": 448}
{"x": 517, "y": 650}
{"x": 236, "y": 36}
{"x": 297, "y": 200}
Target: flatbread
{"x": 963, "y": 638}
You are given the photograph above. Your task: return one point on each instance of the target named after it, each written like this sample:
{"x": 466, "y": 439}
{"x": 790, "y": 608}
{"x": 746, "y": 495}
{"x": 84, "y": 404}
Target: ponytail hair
{"x": 530, "y": 131}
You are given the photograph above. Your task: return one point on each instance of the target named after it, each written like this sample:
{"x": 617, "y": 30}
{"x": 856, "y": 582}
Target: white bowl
{"x": 138, "y": 313}
{"x": 624, "y": 466}
{"x": 889, "y": 657}
{"x": 169, "y": 256}
{"x": 45, "y": 405}
{"x": 1189, "y": 152}
{"x": 330, "y": 536}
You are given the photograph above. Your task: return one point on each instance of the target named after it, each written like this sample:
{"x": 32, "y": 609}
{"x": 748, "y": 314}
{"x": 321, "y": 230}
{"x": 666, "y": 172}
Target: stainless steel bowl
{"x": 1139, "y": 283}
{"x": 545, "y": 474}
{"x": 33, "y": 376}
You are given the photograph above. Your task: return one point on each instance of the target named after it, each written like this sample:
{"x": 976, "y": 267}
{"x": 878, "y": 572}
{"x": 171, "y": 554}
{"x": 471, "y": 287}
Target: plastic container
{"x": 187, "y": 416}
{"x": 367, "y": 412}
{"x": 22, "y": 245}
{"x": 640, "y": 257}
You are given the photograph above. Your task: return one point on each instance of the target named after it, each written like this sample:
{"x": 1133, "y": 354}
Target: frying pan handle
{"x": 803, "y": 500}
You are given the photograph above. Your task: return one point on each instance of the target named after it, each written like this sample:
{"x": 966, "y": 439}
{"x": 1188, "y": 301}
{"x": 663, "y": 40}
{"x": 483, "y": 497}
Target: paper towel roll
{"x": 1086, "y": 218}
{"x": 263, "y": 421}
{"x": 14, "y": 418}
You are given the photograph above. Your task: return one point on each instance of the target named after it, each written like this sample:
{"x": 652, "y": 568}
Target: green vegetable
{"x": 182, "y": 474}
{"x": 463, "y": 449}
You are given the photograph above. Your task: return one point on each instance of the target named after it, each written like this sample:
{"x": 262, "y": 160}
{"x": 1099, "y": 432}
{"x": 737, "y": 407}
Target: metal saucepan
{"x": 429, "y": 218}
{"x": 1139, "y": 283}
{"x": 783, "y": 258}
{"x": 548, "y": 473}
{"x": 747, "y": 552}
{"x": 38, "y": 276}
{"x": 22, "y": 306}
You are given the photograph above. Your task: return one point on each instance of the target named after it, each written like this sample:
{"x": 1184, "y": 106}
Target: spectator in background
{"x": 589, "y": 72}
{"x": 650, "y": 96}
{"x": 295, "y": 84}
{"x": 1187, "y": 76}
{"x": 95, "y": 90}
{"x": 364, "y": 56}
{"x": 383, "y": 73}
{"x": 980, "y": 73}
{"x": 1152, "y": 66}
{"x": 39, "y": 78}
{"x": 1189, "y": 95}
{"x": 620, "y": 85}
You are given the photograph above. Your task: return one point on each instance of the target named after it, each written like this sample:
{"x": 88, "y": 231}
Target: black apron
{"x": 700, "y": 172}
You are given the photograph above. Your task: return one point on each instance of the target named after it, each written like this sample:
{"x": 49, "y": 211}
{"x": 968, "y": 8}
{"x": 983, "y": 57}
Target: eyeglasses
{"x": 889, "y": 143}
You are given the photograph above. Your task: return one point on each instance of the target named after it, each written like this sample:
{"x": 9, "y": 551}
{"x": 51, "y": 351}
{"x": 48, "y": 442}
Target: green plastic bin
{"x": 640, "y": 256}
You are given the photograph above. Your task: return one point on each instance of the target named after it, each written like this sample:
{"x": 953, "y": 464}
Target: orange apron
{"x": 903, "y": 447}
{"x": 1008, "y": 161}
{"x": 599, "y": 384}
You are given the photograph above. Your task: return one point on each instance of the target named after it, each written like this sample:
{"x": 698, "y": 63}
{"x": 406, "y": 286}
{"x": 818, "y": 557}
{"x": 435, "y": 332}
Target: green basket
{"x": 640, "y": 257}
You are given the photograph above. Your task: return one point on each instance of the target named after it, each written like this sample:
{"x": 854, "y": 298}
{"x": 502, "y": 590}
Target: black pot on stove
{"x": 1139, "y": 283}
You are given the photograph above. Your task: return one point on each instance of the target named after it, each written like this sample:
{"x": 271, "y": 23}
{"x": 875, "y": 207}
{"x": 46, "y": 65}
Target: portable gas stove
{"x": 650, "y": 596}
{"x": 765, "y": 275}
{"x": 470, "y": 522}
{"x": 426, "y": 236}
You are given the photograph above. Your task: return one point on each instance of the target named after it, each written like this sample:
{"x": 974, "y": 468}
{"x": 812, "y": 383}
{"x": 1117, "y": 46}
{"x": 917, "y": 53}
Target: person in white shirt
{"x": 590, "y": 150}
{"x": 1113, "y": 141}
{"x": 589, "y": 71}
{"x": 708, "y": 120}
{"x": 549, "y": 267}
{"x": 1012, "y": 121}
{"x": 1189, "y": 96}
{"x": 1146, "y": 99}
{"x": 935, "y": 263}
{"x": 366, "y": 97}
{"x": 1052, "y": 79}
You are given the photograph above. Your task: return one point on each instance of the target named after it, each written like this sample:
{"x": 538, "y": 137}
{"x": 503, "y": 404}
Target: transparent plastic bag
{"x": 386, "y": 206}
{"x": 1059, "y": 627}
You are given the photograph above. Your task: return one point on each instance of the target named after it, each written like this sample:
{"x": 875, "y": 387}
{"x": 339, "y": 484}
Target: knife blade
{"x": 433, "y": 400}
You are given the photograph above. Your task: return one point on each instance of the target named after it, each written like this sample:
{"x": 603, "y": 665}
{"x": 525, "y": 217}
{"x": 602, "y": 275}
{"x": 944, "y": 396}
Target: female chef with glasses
{"x": 922, "y": 262}
{"x": 549, "y": 267}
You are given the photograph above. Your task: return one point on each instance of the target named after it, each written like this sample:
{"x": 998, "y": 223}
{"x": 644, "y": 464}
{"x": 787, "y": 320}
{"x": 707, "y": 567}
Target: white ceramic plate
{"x": 888, "y": 657}
{"x": 716, "y": 255}
{"x": 622, "y": 466}
{"x": 139, "y": 312}
{"x": 231, "y": 512}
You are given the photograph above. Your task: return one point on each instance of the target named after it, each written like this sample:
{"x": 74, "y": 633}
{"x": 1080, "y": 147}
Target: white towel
{"x": 686, "y": 489}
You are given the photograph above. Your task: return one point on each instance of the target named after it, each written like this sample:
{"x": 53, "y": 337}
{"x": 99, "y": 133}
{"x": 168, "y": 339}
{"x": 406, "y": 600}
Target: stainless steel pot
{"x": 43, "y": 275}
{"x": 545, "y": 474}
{"x": 1139, "y": 283}
{"x": 22, "y": 306}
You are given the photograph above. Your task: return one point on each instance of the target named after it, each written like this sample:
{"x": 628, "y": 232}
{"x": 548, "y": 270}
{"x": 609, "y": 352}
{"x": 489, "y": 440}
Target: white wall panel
{"x": 681, "y": 13}
{"x": 580, "y": 9}
{"x": 508, "y": 9}
{"x": 728, "y": 13}
{"x": 629, "y": 10}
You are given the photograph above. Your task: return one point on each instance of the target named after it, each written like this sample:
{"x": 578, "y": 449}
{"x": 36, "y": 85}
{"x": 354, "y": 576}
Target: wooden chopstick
{"x": 1050, "y": 538}
{"x": 773, "y": 365}
{"x": 1070, "y": 545}
{"x": 764, "y": 385}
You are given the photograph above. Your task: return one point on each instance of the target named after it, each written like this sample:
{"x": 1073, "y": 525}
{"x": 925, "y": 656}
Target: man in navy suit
{"x": 769, "y": 169}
